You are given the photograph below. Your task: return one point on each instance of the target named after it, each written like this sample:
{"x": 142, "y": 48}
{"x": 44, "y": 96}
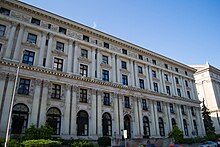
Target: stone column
{"x": 140, "y": 117}
{"x": 73, "y": 111}
{"x": 156, "y": 119}
{"x": 194, "y": 91}
{"x": 48, "y": 58}
{"x": 167, "y": 120}
{"x": 70, "y": 56}
{"x": 75, "y": 59}
{"x": 173, "y": 87}
{"x": 136, "y": 79}
{"x": 169, "y": 116}
{"x": 2, "y": 85}
{"x": 118, "y": 70}
{"x": 7, "y": 103}
{"x": 184, "y": 88}
{"x": 150, "y": 78}
{"x": 161, "y": 81}
{"x": 113, "y": 69}
{"x": 92, "y": 70}
{"x": 43, "y": 108}
{"x": 190, "y": 121}
{"x": 180, "y": 118}
{"x": 115, "y": 116}
{"x": 136, "y": 130}
{"x": 152, "y": 120}
{"x": 66, "y": 128}
{"x": 131, "y": 82}
{"x": 93, "y": 131}
{"x": 36, "y": 101}
{"x": 147, "y": 78}
{"x": 201, "y": 128}
{"x": 10, "y": 40}
{"x": 98, "y": 64}
{"x": 42, "y": 48}
{"x": 18, "y": 43}
{"x": 99, "y": 113}
{"x": 121, "y": 116}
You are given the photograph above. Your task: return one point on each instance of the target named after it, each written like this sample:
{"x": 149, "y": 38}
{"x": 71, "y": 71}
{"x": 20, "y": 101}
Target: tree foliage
{"x": 176, "y": 134}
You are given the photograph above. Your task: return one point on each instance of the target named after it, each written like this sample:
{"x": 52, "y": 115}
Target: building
{"x": 86, "y": 83}
{"x": 208, "y": 86}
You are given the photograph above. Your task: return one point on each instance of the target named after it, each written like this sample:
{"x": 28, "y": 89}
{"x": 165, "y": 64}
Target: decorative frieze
{"x": 37, "y": 82}
{"x": 3, "y": 76}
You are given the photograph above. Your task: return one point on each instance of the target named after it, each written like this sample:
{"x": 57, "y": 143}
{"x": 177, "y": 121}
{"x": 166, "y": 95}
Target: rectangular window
{"x": 124, "y": 80}
{"x": 159, "y": 109}
{"x": 56, "y": 91}
{"x": 107, "y": 99}
{"x": 62, "y": 30}
{"x": 35, "y": 21}
{"x": 154, "y": 75}
{"x": 168, "y": 90}
{"x": 188, "y": 94}
{"x": 2, "y": 30}
{"x": 106, "y": 45}
{"x": 177, "y": 80}
{"x": 4, "y": 11}
{"x": 124, "y": 51}
{"x": 24, "y": 86}
{"x": 60, "y": 46}
{"x": 46, "y": 43}
{"x": 58, "y": 64}
{"x": 0, "y": 47}
{"x": 186, "y": 73}
{"x": 28, "y": 57}
{"x": 192, "y": 111}
{"x": 141, "y": 83}
{"x": 140, "y": 70}
{"x": 140, "y": 57}
{"x": 182, "y": 110}
{"x": 166, "y": 66}
{"x": 186, "y": 83}
{"x": 176, "y": 69}
{"x": 104, "y": 59}
{"x": 105, "y": 75}
{"x": 123, "y": 65}
{"x": 171, "y": 108}
{"x": 32, "y": 38}
{"x": 83, "y": 70}
{"x": 49, "y": 26}
{"x": 84, "y": 53}
{"x": 166, "y": 77}
{"x": 85, "y": 38}
{"x": 83, "y": 95}
{"x": 179, "y": 92}
{"x": 144, "y": 104}
{"x": 154, "y": 61}
{"x": 155, "y": 87}
{"x": 127, "y": 102}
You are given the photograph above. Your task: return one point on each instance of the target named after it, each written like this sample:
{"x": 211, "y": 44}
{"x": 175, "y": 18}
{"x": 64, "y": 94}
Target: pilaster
{"x": 10, "y": 41}
{"x": 18, "y": 43}
{"x": 92, "y": 71}
{"x": 2, "y": 85}
{"x": 66, "y": 128}
{"x": 73, "y": 111}
{"x": 93, "y": 131}
{"x": 42, "y": 48}
{"x": 49, "y": 53}
{"x": 70, "y": 56}
{"x": 75, "y": 59}
{"x": 98, "y": 64}
{"x": 113, "y": 69}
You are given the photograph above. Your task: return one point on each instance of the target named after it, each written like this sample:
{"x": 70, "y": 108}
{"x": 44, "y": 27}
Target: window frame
{"x": 83, "y": 70}
{"x": 141, "y": 83}
{"x": 83, "y": 96}
{"x": 84, "y": 53}
{"x": 2, "y": 30}
{"x": 105, "y": 75}
{"x": 104, "y": 59}
{"x": 56, "y": 91}
{"x": 124, "y": 79}
{"x": 58, "y": 64}
{"x": 32, "y": 38}
{"x": 5, "y": 11}
{"x": 60, "y": 46}
{"x": 35, "y": 21}
{"x": 106, "y": 99}
{"x": 123, "y": 64}
{"x": 24, "y": 86}
{"x": 156, "y": 88}
{"x": 144, "y": 104}
{"x": 28, "y": 57}
{"x": 127, "y": 102}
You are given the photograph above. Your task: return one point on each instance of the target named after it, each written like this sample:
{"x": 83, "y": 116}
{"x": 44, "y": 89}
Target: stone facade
{"x": 88, "y": 84}
{"x": 208, "y": 86}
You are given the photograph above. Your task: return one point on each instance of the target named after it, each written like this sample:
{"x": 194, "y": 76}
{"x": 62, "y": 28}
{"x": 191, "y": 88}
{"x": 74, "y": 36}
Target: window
{"x": 24, "y": 85}
{"x": 106, "y": 45}
{"x": 19, "y": 116}
{"x": 105, "y": 75}
{"x": 32, "y": 38}
{"x": 104, "y": 59}
{"x": 62, "y": 30}
{"x": 85, "y": 38}
{"x": 83, "y": 70}
{"x": 84, "y": 53}
{"x": 107, "y": 99}
{"x": 192, "y": 111}
{"x": 195, "y": 127}
{"x": 166, "y": 77}
{"x": 159, "y": 109}
{"x": 154, "y": 75}
{"x": 166, "y": 66}
{"x": 28, "y": 57}
{"x": 155, "y": 87}
{"x": 186, "y": 83}
{"x": 2, "y": 30}
{"x": 141, "y": 83}
{"x": 182, "y": 110}
{"x": 176, "y": 69}
{"x": 4, "y": 11}
{"x": 35, "y": 21}
{"x": 58, "y": 64}
{"x": 54, "y": 120}
{"x": 124, "y": 51}
{"x": 123, "y": 65}
{"x": 173, "y": 121}
{"x": 168, "y": 90}
{"x": 46, "y": 43}
{"x": 124, "y": 80}
{"x": 146, "y": 125}
{"x": 127, "y": 125}
{"x": 177, "y": 80}
{"x": 106, "y": 124}
{"x": 171, "y": 108}
{"x": 140, "y": 57}
{"x": 49, "y": 26}
{"x": 82, "y": 122}
{"x": 161, "y": 127}
{"x": 56, "y": 91}
{"x": 0, "y": 47}
{"x": 154, "y": 61}
{"x": 178, "y": 92}
{"x": 140, "y": 70}
{"x": 188, "y": 94}
{"x": 83, "y": 95}
{"x": 144, "y": 104}
{"x": 127, "y": 102}
{"x": 186, "y": 73}
{"x": 60, "y": 46}
{"x": 185, "y": 127}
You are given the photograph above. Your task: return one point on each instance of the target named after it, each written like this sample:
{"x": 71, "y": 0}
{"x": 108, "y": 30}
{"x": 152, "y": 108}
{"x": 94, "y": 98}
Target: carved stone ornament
{"x": 93, "y": 91}
{"x": 67, "y": 86}
{"x": 3, "y": 76}
{"x": 79, "y": 36}
{"x": 37, "y": 82}
{"x": 99, "y": 43}
{"x": 46, "y": 83}
{"x": 71, "y": 33}
{"x": 84, "y": 60}
{"x": 58, "y": 53}
{"x": 11, "y": 77}
{"x": 44, "y": 24}
{"x": 54, "y": 27}
{"x": 75, "y": 88}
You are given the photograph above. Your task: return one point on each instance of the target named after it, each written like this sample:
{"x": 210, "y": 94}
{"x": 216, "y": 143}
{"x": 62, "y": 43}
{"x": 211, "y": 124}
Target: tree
{"x": 176, "y": 134}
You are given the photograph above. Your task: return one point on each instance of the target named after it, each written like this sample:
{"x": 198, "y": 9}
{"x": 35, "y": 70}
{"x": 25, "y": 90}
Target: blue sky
{"x": 184, "y": 30}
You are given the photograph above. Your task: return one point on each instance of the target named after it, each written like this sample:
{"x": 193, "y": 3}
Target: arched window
{"x": 173, "y": 121}
{"x": 161, "y": 127}
{"x": 185, "y": 127}
{"x": 106, "y": 124}
{"x": 82, "y": 123}
{"x": 146, "y": 126}
{"x": 19, "y": 118}
{"x": 195, "y": 127}
{"x": 54, "y": 120}
{"x": 127, "y": 125}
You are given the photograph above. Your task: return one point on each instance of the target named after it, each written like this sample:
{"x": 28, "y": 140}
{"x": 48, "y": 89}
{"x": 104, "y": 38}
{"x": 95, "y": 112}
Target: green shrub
{"x": 210, "y": 135}
{"x": 176, "y": 134}
{"x": 39, "y": 142}
{"x": 81, "y": 143}
{"x": 104, "y": 141}
{"x": 11, "y": 143}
